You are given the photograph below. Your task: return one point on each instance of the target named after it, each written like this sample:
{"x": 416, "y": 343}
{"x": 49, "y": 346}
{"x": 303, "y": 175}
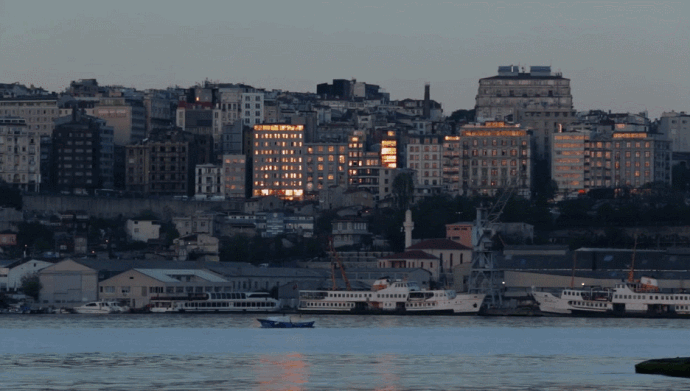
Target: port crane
{"x": 336, "y": 259}
{"x": 484, "y": 277}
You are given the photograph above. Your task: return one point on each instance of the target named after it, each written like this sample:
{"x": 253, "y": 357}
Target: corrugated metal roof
{"x": 168, "y": 275}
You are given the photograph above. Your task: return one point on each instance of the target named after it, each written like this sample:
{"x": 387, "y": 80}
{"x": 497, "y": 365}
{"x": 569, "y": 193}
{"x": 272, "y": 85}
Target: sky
{"x": 619, "y": 55}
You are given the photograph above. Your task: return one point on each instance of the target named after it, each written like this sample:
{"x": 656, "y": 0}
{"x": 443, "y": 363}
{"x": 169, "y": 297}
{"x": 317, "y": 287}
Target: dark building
{"x": 83, "y": 155}
{"x": 164, "y": 163}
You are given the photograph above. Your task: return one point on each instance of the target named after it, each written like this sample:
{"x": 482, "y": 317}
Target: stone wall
{"x": 107, "y": 207}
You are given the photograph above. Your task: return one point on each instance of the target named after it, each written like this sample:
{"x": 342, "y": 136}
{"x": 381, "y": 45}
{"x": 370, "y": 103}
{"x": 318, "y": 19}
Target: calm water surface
{"x": 231, "y": 352}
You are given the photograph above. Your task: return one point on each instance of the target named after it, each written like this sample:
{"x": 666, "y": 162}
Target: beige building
{"x": 39, "y": 112}
{"x": 68, "y": 284}
{"x": 539, "y": 100}
{"x": 452, "y": 152}
{"x": 20, "y": 151}
{"x": 137, "y": 286}
{"x": 496, "y": 155}
{"x": 142, "y": 230}
{"x": 568, "y": 162}
{"x": 196, "y": 244}
{"x": 127, "y": 117}
{"x": 278, "y": 161}
{"x": 425, "y": 157}
{"x": 198, "y": 223}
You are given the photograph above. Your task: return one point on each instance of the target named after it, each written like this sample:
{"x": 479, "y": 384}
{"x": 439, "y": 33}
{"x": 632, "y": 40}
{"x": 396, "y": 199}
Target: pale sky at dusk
{"x": 620, "y": 56}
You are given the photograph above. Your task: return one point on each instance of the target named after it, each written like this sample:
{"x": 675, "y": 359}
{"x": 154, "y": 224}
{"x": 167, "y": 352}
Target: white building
{"x": 252, "y": 108}
{"x": 11, "y": 274}
{"x": 142, "y": 230}
{"x": 676, "y": 126}
{"x": 208, "y": 183}
{"x": 20, "y": 152}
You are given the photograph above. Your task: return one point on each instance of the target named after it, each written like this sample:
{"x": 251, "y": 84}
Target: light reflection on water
{"x": 181, "y": 352}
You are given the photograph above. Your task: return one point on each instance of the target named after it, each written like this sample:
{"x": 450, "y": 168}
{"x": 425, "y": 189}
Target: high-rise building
{"x": 568, "y": 161}
{"x": 496, "y": 156}
{"x": 83, "y": 154}
{"x": 278, "y": 167}
{"x": 425, "y": 156}
{"x": 539, "y": 100}
{"x": 20, "y": 151}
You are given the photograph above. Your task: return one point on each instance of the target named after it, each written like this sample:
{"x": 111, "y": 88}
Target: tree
{"x": 462, "y": 115}
{"x": 403, "y": 190}
{"x": 31, "y": 285}
{"x": 10, "y": 197}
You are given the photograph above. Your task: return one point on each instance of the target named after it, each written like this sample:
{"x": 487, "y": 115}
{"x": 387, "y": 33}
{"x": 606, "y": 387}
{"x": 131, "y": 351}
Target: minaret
{"x": 409, "y": 226}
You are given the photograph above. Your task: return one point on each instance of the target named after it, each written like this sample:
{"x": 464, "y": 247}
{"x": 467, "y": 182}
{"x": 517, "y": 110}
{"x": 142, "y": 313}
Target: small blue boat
{"x": 284, "y": 322}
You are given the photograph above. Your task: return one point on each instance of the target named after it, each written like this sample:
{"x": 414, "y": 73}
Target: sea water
{"x": 231, "y": 352}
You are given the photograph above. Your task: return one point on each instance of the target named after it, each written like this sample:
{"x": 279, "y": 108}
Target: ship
{"x": 390, "y": 297}
{"x": 632, "y": 298}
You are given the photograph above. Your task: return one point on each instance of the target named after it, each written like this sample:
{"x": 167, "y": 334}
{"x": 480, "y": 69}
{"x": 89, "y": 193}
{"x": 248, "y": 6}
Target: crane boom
{"x": 336, "y": 258}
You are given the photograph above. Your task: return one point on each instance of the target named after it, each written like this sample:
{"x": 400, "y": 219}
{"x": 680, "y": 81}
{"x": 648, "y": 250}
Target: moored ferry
{"x": 390, "y": 297}
{"x": 641, "y": 298}
{"x": 216, "y": 302}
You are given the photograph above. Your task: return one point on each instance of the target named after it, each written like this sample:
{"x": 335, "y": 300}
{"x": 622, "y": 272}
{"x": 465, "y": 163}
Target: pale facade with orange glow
{"x": 425, "y": 156}
{"x": 568, "y": 162}
{"x": 495, "y": 155}
{"x": 278, "y": 161}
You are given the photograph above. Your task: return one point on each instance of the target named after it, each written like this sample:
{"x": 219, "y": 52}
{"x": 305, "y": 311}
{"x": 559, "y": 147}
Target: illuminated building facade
{"x": 539, "y": 100}
{"x": 326, "y": 165}
{"x": 495, "y": 156}
{"x": 425, "y": 156}
{"x": 389, "y": 150}
{"x": 20, "y": 151}
{"x": 568, "y": 162}
{"x": 627, "y": 159}
{"x": 278, "y": 161}
{"x": 355, "y": 145}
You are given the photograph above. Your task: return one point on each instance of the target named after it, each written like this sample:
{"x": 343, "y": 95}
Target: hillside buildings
{"x": 539, "y": 100}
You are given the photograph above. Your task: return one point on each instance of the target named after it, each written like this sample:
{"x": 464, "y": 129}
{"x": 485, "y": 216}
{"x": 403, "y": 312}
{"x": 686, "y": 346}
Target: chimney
{"x": 427, "y": 102}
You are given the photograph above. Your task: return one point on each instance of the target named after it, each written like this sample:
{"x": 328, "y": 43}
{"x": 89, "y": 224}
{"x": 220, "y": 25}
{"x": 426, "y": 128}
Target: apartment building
{"x": 83, "y": 155}
{"x": 326, "y": 165}
{"x": 39, "y": 112}
{"x": 20, "y": 154}
{"x": 496, "y": 155}
{"x": 278, "y": 161}
{"x": 539, "y": 100}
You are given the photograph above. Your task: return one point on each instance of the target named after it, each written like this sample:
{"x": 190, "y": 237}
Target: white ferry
{"x": 632, "y": 298}
{"x": 215, "y": 302}
{"x": 586, "y": 301}
{"x": 390, "y": 297}
{"x": 101, "y": 307}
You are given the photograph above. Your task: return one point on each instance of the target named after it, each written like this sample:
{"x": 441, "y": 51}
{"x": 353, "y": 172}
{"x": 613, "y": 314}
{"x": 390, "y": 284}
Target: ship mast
{"x": 631, "y": 273}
